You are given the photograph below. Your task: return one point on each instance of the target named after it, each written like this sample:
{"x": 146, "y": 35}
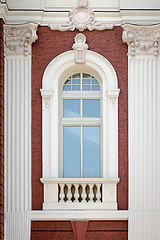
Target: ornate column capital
{"x": 142, "y": 40}
{"x": 18, "y": 38}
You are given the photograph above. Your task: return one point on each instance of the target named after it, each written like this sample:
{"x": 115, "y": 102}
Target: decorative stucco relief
{"x": 142, "y": 39}
{"x": 18, "y": 38}
{"x": 80, "y": 46}
{"x": 81, "y": 18}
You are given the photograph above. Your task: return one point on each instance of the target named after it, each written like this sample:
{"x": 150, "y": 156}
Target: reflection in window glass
{"x": 71, "y": 108}
{"x": 91, "y": 108}
{"x": 91, "y": 152}
{"x": 72, "y": 152}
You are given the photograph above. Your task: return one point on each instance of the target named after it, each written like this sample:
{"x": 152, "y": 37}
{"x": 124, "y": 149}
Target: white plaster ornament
{"x": 18, "y": 38}
{"x": 81, "y": 18}
{"x": 142, "y": 39}
{"x": 80, "y": 46}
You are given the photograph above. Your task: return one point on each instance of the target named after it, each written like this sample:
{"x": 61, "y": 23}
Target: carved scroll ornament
{"x": 18, "y": 38}
{"x": 81, "y": 18}
{"x": 142, "y": 39}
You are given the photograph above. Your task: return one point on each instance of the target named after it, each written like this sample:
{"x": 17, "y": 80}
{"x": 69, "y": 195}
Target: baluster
{"x": 91, "y": 194}
{"x": 83, "y": 195}
{"x": 61, "y": 194}
{"x": 69, "y": 193}
{"x": 98, "y": 194}
{"x": 76, "y": 194}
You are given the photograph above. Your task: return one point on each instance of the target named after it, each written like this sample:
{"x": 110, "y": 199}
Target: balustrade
{"x": 80, "y": 193}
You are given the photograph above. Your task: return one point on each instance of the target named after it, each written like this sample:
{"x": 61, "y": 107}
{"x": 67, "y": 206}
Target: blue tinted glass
{"x": 94, "y": 81}
{"x": 67, "y": 88}
{"x": 95, "y": 88}
{"x": 86, "y": 81}
{"x": 72, "y": 152}
{"x": 91, "y": 152}
{"x": 86, "y": 88}
{"x": 71, "y": 108}
{"x": 75, "y": 87}
{"x": 76, "y": 81}
{"x": 91, "y": 108}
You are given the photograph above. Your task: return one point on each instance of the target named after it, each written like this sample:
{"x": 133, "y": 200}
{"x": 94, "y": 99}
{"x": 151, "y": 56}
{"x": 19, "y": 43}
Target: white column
{"x": 18, "y": 40}
{"x": 144, "y": 130}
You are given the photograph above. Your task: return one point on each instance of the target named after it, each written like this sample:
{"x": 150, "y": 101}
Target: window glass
{"x": 91, "y": 152}
{"x": 72, "y": 152}
{"x": 81, "y": 82}
{"x": 71, "y": 108}
{"x": 81, "y": 124}
{"x": 91, "y": 108}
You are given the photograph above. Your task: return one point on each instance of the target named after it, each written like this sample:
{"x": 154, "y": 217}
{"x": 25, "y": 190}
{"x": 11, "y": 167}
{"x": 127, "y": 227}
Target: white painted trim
{"x": 80, "y": 215}
{"x": 55, "y": 73}
{"x": 144, "y": 132}
{"x": 117, "y": 18}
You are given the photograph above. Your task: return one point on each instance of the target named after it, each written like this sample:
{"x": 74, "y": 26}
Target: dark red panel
{"x": 52, "y": 43}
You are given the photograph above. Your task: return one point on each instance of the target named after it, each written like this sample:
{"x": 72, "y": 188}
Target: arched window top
{"x": 81, "y": 82}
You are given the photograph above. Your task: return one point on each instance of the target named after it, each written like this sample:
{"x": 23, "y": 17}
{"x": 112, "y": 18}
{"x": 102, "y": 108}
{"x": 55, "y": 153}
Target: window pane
{"x": 76, "y": 76}
{"x": 67, "y": 88}
{"x": 72, "y": 152}
{"x": 86, "y": 88}
{"x": 94, "y": 81}
{"x": 75, "y": 87}
{"x": 91, "y": 152}
{"x": 95, "y": 88}
{"x": 71, "y": 108}
{"x": 91, "y": 108}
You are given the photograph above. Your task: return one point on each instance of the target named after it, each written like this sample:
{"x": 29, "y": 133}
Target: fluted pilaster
{"x": 18, "y": 40}
{"x": 144, "y": 131}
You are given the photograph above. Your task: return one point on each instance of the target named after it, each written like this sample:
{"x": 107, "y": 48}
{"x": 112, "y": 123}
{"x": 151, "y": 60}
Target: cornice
{"x": 18, "y": 38}
{"x": 142, "y": 39}
{"x": 81, "y": 18}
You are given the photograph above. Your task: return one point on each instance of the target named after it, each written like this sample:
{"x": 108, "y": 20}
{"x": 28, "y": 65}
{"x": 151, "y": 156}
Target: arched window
{"x": 80, "y": 133}
{"x": 81, "y": 127}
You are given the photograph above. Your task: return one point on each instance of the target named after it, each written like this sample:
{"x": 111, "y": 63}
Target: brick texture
{"x": 96, "y": 230}
{"x": 52, "y": 43}
{"x": 1, "y": 132}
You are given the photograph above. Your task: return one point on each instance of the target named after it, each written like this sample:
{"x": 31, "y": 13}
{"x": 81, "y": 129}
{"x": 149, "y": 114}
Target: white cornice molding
{"x": 142, "y": 39}
{"x": 3, "y": 11}
{"x": 80, "y": 46}
{"x": 18, "y": 38}
{"x": 81, "y": 18}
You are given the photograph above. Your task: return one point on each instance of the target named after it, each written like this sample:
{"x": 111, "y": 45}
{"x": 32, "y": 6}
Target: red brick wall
{"x": 1, "y": 132}
{"x": 52, "y": 43}
{"x": 62, "y": 230}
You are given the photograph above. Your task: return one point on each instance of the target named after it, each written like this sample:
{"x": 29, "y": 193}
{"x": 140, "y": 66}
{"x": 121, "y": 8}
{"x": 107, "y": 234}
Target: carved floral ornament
{"x": 18, "y": 38}
{"x": 142, "y": 39}
{"x": 81, "y": 18}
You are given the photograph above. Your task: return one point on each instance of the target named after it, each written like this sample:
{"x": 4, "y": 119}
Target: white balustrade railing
{"x": 80, "y": 193}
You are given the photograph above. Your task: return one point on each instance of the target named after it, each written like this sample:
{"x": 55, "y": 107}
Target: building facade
{"x": 79, "y": 120}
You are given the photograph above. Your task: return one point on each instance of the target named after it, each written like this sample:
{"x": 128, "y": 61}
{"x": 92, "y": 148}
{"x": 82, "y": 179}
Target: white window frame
{"x": 79, "y": 121}
{"x": 56, "y": 71}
